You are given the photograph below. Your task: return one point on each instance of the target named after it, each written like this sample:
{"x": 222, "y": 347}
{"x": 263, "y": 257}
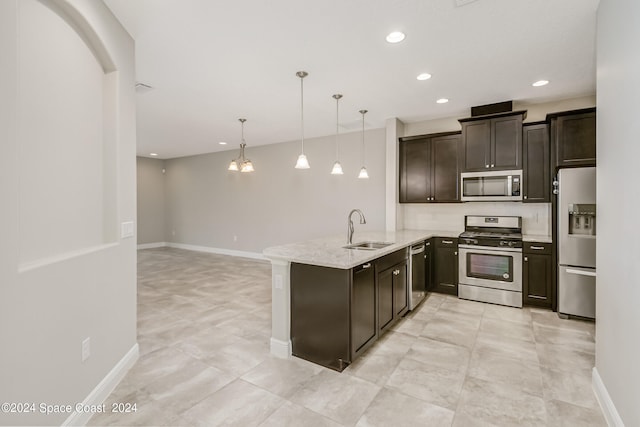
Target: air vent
{"x": 460, "y": 3}
{"x": 143, "y": 88}
{"x": 499, "y": 107}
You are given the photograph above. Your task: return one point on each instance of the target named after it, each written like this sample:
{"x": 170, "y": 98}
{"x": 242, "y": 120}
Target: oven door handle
{"x": 489, "y": 249}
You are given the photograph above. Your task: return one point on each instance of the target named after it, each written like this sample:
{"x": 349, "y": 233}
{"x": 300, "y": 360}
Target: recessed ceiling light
{"x": 153, "y": 154}
{"x": 540, "y": 83}
{"x": 442, "y": 101}
{"x": 222, "y": 143}
{"x": 395, "y": 37}
{"x": 424, "y": 76}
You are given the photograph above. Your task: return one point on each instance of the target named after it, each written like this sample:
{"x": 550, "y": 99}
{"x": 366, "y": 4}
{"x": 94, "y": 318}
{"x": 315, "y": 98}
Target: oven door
{"x": 490, "y": 267}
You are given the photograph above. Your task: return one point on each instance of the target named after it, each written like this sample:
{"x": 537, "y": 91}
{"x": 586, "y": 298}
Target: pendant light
{"x": 302, "y": 162}
{"x": 337, "y": 167}
{"x": 363, "y": 171}
{"x": 241, "y": 163}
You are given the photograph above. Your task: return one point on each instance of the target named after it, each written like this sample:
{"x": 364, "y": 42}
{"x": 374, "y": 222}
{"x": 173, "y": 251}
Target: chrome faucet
{"x": 350, "y": 224}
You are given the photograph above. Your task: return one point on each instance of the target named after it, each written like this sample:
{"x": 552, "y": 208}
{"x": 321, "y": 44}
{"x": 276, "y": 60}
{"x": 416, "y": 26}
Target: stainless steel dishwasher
{"x": 417, "y": 283}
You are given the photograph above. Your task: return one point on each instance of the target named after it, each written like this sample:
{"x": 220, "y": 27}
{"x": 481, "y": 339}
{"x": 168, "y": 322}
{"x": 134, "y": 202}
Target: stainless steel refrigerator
{"x": 577, "y": 242}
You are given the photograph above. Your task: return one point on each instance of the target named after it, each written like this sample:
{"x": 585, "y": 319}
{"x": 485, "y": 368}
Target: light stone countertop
{"x": 536, "y": 238}
{"x": 329, "y": 251}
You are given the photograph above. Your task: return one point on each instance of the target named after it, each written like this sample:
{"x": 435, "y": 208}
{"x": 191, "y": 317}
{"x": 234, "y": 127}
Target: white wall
{"x": 151, "y": 200}
{"x": 207, "y": 205}
{"x": 67, "y": 181}
{"x": 618, "y": 249}
{"x": 536, "y": 217}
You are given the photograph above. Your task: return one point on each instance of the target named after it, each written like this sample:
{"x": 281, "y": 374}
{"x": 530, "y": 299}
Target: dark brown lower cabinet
{"x": 445, "y": 265}
{"x": 393, "y": 292}
{"x": 537, "y": 274}
{"x": 320, "y": 318}
{"x": 428, "y": 264}
{"x": 337, "y": 314}
{"x": 363, "y": 308}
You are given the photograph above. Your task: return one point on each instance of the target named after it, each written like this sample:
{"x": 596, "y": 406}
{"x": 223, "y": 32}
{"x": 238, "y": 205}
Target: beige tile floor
{"x": 204, "y": 323}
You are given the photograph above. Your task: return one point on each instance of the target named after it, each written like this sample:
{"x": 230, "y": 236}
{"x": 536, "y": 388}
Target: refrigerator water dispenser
{"x": 582, "y": 219}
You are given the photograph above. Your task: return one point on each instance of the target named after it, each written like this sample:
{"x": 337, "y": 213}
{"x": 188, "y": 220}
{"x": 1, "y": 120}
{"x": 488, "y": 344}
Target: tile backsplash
{"x": 536, "y": 217}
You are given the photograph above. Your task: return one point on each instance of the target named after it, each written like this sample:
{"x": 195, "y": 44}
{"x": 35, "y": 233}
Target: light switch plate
{"x": 126, "y": 229}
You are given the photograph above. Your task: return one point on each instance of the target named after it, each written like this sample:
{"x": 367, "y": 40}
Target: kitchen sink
{"x": 368, "y": 246}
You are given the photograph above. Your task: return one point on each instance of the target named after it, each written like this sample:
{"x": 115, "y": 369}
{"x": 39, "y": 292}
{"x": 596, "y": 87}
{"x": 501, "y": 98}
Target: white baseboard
{"x": 281, "y": 349}
{"x": 606, "y": 404}
{"x": 99, "y": 394}
{"x": 152, "y": 245}
{"x": 219, "y": 251}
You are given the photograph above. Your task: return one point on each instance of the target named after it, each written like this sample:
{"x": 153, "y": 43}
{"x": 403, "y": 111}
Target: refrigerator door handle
{"x": 581, "y": 272}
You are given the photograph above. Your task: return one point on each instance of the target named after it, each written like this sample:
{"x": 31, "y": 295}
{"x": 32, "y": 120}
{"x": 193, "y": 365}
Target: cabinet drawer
{"x": 446, "y": 242}
{"x": 388, "y": 261}
{"x": 536, "y": 248}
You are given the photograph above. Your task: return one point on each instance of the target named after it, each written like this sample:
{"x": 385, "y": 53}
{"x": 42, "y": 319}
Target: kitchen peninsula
{"x": 359, "y": 291}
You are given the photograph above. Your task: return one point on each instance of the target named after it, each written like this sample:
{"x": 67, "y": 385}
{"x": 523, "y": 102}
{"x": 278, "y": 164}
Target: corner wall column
{"x": 393, "y": 211}
{"x": 280, "y": 308}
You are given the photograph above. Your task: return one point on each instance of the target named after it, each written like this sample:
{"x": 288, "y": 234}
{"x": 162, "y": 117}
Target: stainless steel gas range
{"x": 490, "y": 260}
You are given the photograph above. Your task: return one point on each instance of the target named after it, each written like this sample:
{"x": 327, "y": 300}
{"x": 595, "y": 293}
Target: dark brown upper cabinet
{"x": 536, "y": 163}
{"x": 573, "y": 138}
{"x": 429, "y": 168}
{"x": 492, "y": 142}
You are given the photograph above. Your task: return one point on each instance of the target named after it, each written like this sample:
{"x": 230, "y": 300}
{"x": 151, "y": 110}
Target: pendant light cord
{"x": 337, "y": 98}
{"x": 363, "y": 112}
{"x": 302, "y": 109}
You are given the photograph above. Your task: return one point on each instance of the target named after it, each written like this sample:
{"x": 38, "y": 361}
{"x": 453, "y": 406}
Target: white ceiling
{"x": 212, "y": 61}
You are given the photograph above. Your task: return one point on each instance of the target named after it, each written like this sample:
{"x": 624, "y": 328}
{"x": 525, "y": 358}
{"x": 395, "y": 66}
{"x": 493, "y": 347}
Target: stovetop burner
{"x": 491, "y": 235}
{"x": 492, "y": 231}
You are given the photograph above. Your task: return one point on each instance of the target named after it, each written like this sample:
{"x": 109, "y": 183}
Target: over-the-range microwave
{"x": 494, "y": 186}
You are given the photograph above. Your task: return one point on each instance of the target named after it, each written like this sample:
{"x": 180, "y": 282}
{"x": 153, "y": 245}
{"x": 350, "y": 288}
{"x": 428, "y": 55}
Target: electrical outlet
{"x": 86, "y": 348}
{"x": 126, "y": 229}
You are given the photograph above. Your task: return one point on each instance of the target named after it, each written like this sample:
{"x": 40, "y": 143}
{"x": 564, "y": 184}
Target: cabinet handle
{"x": 537, "y": 248}
{"x": 396, "y": 272}
{"x": 367, "y": 265}
{"x": 526, "y": 259}
{"x": 428, "y": 244}
{"x": 486, "y": 166}
{"x": 456, "y": 253}
{"x": 447, "y": 242}
{"x": 493, "y": 166}
{"x": 525, "y": 197}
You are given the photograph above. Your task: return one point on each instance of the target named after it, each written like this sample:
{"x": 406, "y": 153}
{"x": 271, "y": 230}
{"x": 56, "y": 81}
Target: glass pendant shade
{"x": 337, "y": 169}
{"x": 247, "y": 166}
{"x": 233, "y": 166}
{"x": 363, "y": 173}
{"x": 302, "y": 162}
